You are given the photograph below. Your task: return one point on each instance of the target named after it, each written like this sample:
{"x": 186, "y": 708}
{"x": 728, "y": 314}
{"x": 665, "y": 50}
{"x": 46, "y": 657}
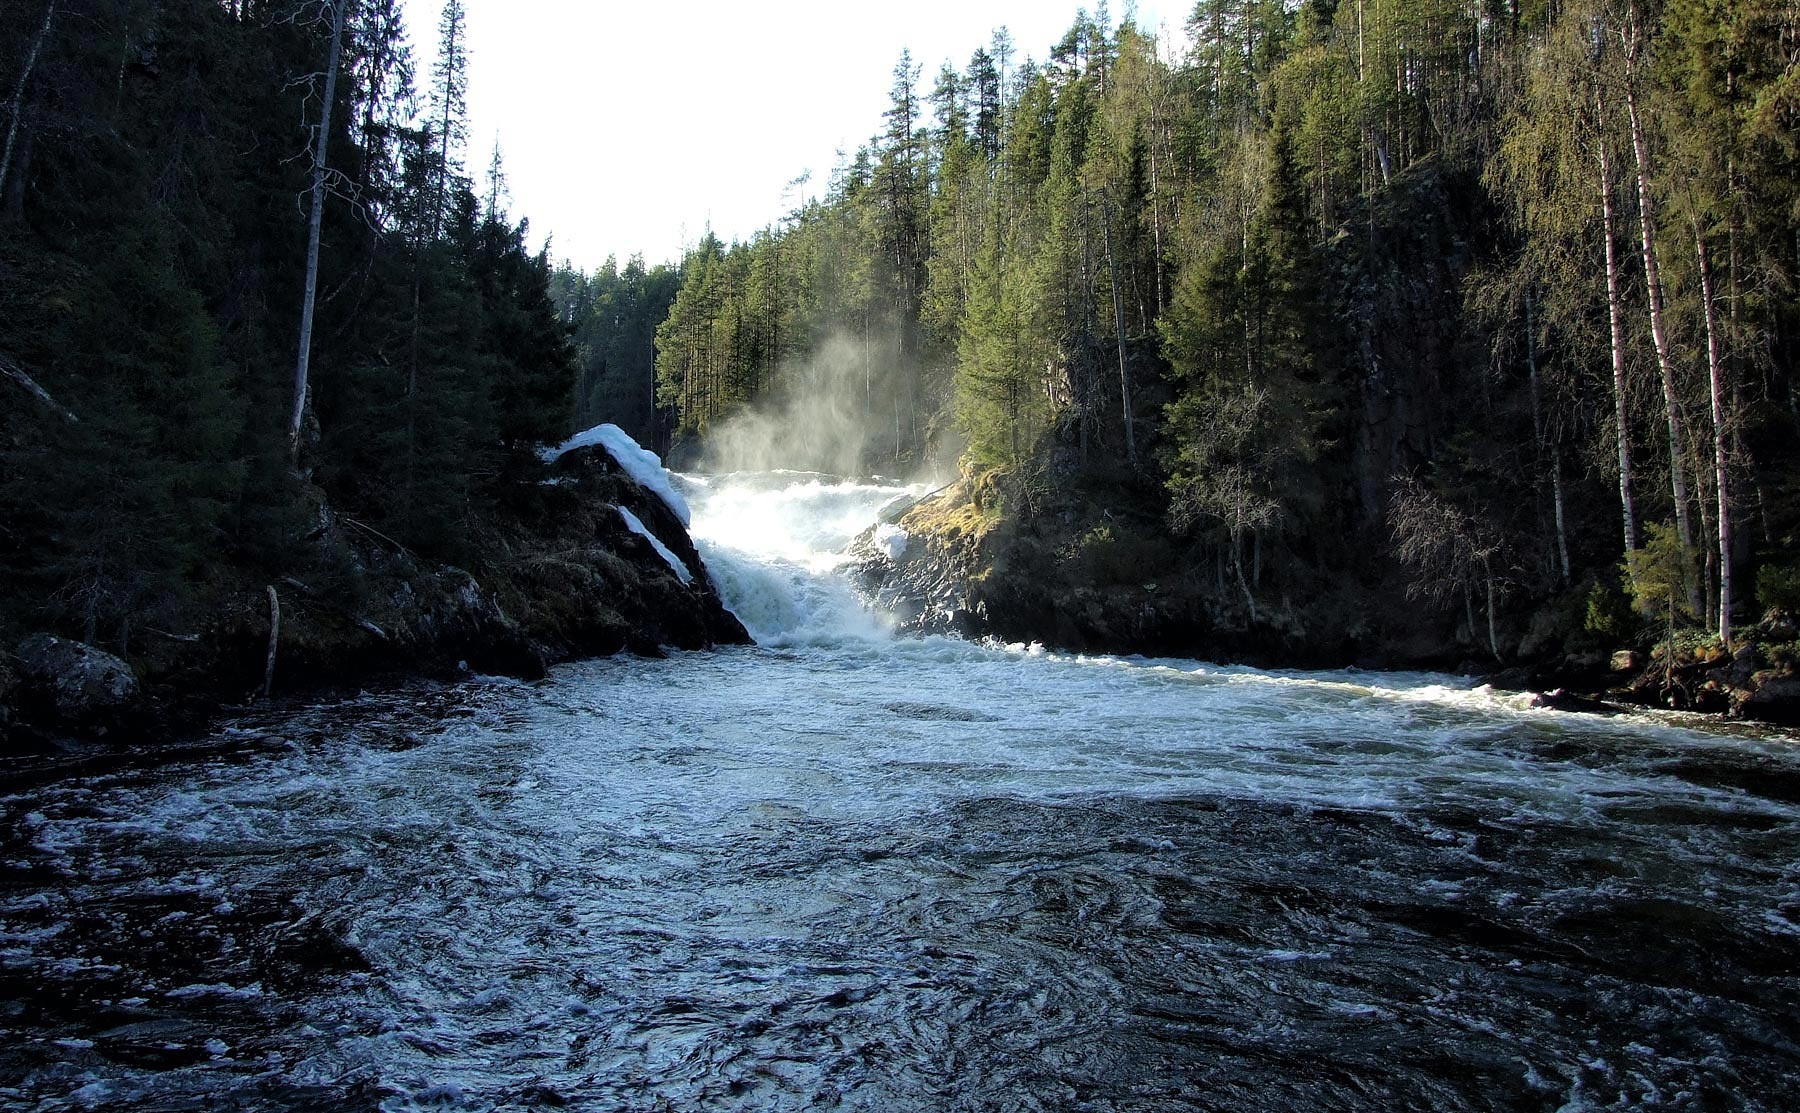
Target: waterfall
{"x": 775, "y": 544}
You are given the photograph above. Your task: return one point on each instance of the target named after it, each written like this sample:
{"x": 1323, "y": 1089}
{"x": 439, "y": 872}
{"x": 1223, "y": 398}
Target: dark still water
{"x": 844, "y": 871}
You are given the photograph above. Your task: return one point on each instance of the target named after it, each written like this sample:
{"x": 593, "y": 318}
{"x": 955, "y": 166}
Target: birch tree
{"x": 1715, "y": 365}
{"x": 1555, "y": 173}
{"x": 1631, "y": 38}
{"x": 1615, "y": 320}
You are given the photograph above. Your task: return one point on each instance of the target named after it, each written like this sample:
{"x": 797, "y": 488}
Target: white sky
{"x": 626, "y": 127}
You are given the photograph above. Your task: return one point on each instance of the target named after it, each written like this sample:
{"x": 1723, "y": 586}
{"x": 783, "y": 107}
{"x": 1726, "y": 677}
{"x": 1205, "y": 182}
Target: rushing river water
{"x": 846, "y": 871}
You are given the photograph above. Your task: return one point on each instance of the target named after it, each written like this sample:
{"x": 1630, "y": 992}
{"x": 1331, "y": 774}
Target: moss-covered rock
{"x": 68, "y": 684}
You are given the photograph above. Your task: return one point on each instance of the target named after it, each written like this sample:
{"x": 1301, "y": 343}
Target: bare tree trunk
{"x": 897, "y": 374}
{"x": 17, "y": 374}
{"x": 18, "y": 98}
{"x": 1119, "y": 327}
{"x": 1615, "y": 313}
{"x": 412, "y": 374}
{"x": 1562, "y": 529}
{"x": 1087, "y": 266}
{"x": 1669, "y": 654}
{"x": 1156, "y": 232}
{"x": 1237, "y": 568}
{"x": 1658, "y": 328}
{"x": 1715, "y": 363}
{"x": 1704, "y": 589}
{"x": 309, "y": 300}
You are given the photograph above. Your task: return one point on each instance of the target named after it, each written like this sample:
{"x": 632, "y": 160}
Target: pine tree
{"x": 449, "y": 111}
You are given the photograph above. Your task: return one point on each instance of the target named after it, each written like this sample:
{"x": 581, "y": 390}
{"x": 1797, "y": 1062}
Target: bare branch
{"x": 17, "y": 374}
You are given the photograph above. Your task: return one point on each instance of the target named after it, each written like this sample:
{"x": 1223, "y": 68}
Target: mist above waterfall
{"x": 853, "y": 405}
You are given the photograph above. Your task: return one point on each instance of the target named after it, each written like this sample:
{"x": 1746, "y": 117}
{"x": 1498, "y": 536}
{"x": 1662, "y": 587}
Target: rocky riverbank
{"x": 1757, "y": 679}
{"x": 1099, "y": 575}
{"x": 563, "y": 573}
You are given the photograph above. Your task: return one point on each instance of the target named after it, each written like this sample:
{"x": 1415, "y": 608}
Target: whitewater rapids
{"x": 840, "y": 870}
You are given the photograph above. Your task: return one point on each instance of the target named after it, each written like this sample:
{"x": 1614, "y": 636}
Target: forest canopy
{"x": 1465, "y": 295}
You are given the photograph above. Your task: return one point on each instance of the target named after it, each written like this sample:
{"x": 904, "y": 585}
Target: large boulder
{"x": 1769, "y": 697}
{"x": 72, "y": 685}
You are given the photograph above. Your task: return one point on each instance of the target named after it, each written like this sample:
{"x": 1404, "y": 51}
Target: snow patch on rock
{"x": 639, "y": 463}
{"x": 638, "y": 527}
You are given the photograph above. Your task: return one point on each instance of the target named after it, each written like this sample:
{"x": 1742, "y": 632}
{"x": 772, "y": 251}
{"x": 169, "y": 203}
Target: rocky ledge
{"x": 588, "y": 562}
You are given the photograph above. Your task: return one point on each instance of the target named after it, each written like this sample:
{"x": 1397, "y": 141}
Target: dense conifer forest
{"x": 1471, "y": 297}
{"x": 244, "y": 271}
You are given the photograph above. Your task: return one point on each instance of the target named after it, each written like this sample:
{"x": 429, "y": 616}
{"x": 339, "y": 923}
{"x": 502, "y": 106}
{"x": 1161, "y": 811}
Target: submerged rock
{"x": 1561, "y": 699}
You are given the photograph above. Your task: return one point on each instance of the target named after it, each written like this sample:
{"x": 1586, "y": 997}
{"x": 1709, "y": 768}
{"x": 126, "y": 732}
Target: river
{"x": 841, "y": 870}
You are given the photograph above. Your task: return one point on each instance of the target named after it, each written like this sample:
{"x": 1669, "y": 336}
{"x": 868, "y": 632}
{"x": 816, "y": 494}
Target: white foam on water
{"x": 774, "y": 543}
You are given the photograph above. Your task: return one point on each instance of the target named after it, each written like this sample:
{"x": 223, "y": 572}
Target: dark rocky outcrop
{"x": 1755, "y": 681}
{"x": 1095, "y": 571}
{"x": 562, "y": 576}
{"x": 978, "y": 561}
{"x": 9, "y": 694}
{"x": 1770, "y": 697}
{"x": 558, "y": 576}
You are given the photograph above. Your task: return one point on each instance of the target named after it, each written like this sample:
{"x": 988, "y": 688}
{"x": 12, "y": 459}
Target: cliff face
{"x": 1090, "y": 570}
{"x": 561, "y": 574}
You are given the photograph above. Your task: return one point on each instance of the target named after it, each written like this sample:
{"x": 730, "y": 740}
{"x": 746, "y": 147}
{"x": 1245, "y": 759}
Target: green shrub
{"x": 1659, "y": 575}
{"x": 1609, "y": 615}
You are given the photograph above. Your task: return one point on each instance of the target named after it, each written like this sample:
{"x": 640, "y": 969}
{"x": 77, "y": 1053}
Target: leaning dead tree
{"x": 17, "y": 374}
{"x": 309, "y": 299}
